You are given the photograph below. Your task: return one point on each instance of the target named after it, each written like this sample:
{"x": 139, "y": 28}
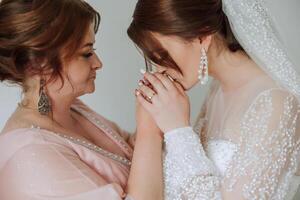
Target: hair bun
{"x": 31, "y": 41}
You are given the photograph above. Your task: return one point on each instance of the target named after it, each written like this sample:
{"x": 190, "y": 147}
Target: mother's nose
{"x": 97, "y": 63}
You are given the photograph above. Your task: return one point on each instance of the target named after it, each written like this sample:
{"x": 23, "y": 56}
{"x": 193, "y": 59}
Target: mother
{"x": 54, "y": 146}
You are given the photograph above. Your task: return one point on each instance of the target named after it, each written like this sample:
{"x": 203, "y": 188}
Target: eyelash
{"x": 88, "y": 55}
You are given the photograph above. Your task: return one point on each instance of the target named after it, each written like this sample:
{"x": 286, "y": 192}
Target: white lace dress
{"x": 251, "y": 150}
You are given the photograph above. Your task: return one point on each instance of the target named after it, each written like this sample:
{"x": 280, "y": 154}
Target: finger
{"x": 147, "y": 92}
{"x": 145, "y": 82}
{"x": 165, "y": 81}
{"x": 170, "y": 83}
{"x": 177, "y": 83}
{"x": 155, "y": 82}
{"x": 143, "y": 102}
{"x": 180, "y": 87}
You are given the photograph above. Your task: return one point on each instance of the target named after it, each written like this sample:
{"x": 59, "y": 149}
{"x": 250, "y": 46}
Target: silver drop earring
{"x": 203, "y": 68}
{"x": 44, "y": 104}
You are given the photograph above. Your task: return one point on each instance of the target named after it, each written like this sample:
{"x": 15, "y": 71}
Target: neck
{"x": 60, "y": 105}
{"x": 61, "y": 111}
{"x": 232, "y": 69}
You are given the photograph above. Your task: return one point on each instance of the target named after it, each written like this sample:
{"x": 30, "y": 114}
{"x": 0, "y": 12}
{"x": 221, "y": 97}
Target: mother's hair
{"x": 37, "y": 36}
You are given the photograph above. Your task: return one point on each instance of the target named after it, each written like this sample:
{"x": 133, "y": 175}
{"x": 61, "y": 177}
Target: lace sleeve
{"x": 262, "y": 168}
{"x": 188, "y": 173}
{"x": 268, "y": 150}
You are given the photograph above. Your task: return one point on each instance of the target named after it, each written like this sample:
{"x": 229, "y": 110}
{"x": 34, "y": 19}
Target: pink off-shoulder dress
{"x": 37, "y": 164}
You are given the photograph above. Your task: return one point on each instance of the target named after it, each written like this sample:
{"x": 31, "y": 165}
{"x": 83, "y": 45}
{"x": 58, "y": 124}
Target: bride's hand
{"x": 165, "y": 100}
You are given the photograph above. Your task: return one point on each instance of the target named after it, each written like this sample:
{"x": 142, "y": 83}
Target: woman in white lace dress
{"x": 249, "y": 124}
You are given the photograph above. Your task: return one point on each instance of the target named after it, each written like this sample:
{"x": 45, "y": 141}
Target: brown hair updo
{"x": 188, "y": 19}
{"x": 37, "y": 35}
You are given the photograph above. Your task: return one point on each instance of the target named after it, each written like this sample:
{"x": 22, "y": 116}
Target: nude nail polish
{"x": 142, "y": 71}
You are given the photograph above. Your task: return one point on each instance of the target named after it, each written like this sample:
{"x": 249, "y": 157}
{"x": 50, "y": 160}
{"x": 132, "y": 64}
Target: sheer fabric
{"x": 253, "y": 142}
{"x": 37, "y": 164}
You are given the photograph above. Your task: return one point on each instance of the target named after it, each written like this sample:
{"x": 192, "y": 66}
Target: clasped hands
{"x": 165, "y": 102}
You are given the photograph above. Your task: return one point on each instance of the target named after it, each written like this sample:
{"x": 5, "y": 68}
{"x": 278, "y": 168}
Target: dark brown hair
{"x": 36, "y": 36}
{"x": 188, "y": 19}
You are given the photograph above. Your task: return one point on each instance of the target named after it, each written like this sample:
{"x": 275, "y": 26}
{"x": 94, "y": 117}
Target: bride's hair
{"x": 36, "y": 36}
{"x": 187, "y": 19}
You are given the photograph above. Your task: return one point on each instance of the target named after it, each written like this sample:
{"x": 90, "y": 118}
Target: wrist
{"x": 150, "y": 137}
{"x": 178, "y": 129}
{"x": 178, "y": 126}
{"x": 145, "y": 131}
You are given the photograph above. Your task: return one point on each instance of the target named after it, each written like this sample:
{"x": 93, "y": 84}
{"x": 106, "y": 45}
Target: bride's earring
{"x": 44, "y": 104}
{"x": 203, "y": 68}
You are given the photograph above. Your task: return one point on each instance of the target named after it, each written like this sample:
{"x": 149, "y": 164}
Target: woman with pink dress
{"x": 53, "y": 146}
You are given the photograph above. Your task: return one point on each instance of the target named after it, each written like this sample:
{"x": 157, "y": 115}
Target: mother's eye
{"x": 87, "y": 55}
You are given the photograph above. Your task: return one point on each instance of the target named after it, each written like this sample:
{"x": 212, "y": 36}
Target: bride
{"x": 249, "y": 125}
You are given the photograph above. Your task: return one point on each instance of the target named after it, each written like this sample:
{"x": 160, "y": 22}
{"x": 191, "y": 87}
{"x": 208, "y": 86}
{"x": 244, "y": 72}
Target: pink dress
{"x": 37, "y": 164}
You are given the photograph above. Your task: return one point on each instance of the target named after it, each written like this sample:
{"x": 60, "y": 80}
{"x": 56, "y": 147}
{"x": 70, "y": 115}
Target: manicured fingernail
{"x": 141, "y": 83}
{"x": 137, "y": 92}
{"x": 142, "y": 71}
{"x": 145, "y": 82}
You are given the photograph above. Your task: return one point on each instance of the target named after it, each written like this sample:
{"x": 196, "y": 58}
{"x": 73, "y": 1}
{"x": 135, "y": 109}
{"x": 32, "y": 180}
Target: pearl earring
{"x": 203, "y": 68}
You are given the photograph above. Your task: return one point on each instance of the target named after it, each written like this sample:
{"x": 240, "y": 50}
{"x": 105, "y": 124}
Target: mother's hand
{"x": 165, "y": 100}
{"x": 144, "y": 121}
